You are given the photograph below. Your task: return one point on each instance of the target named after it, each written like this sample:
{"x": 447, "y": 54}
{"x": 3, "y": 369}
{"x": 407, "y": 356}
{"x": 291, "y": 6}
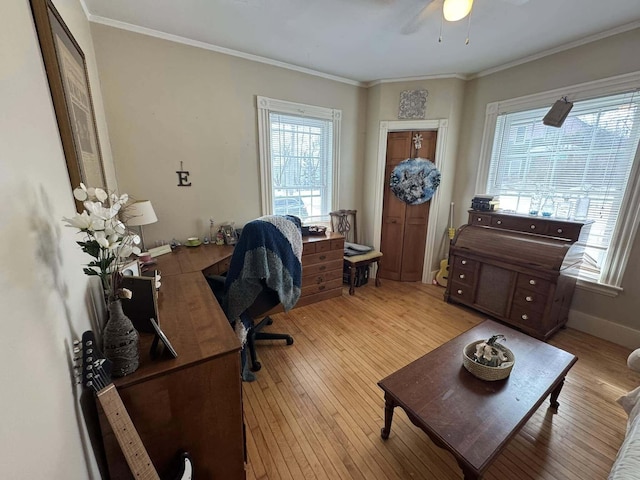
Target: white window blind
{"x": 591, "y": 156}
{"x": 301, "y": 165}
{"x": 299, "y": 158}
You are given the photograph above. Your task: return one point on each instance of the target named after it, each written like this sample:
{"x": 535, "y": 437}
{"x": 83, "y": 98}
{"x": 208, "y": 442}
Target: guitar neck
{"x": 126, "y": 434}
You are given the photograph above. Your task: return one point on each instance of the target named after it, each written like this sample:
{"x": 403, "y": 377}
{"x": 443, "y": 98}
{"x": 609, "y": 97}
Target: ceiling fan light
{"x": 454, "y": 10}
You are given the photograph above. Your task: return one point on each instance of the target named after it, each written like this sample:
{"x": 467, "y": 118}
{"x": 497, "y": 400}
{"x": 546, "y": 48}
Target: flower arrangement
{"x": 106, "y": 237}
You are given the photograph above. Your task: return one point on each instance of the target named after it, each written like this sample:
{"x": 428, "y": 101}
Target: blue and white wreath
{"x": 415, "y": 180}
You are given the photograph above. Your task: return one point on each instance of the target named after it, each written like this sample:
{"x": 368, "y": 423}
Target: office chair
{"x": 356, "y": 257}
{"x": 265, "y": 271}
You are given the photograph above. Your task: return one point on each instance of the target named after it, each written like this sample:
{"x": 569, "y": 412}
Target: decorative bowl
{"x": 485, "y": 372}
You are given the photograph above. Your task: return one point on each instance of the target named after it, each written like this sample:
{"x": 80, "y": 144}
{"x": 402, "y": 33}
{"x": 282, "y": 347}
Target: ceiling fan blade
{"x": 418, "y": 20}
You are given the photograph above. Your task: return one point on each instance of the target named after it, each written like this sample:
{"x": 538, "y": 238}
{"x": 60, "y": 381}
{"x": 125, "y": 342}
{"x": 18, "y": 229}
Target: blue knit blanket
{"x": 269, "y": 250}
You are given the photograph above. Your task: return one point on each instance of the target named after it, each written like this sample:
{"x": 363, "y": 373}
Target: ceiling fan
{"x": 451, "y": 10}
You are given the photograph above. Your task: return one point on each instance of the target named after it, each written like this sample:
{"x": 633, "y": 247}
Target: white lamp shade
{"x": 140, "y": 213}
{"x": 454, "y": 10}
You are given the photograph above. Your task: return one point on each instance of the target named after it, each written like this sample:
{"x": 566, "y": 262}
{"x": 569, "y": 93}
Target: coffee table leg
{"x": 555, "y": 393}
{"x": 389, "y": 405}
{"x": 468, "y": 474}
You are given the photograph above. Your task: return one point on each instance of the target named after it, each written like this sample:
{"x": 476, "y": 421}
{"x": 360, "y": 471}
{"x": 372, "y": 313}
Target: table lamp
{"x": 140, "y": 213}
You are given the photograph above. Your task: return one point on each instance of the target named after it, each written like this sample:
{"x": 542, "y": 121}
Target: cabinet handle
{"x": 525, "y": 317}
{"x": 323, "y": 257}
{"x": 529, "y": 299}
{"x": 499, "y": 222}
{"x": 464, "y": 262}
{"x": 559, "y": 230}
{"x": 319, "y": 280}
{"x": 322, "y": 267}
{"x": 321, "y": 287}
{"x": 532, "y": 282}
{"x": 462, "y": 275}
{"x": 532, "y": 227}
{"x": 459, "y": 292}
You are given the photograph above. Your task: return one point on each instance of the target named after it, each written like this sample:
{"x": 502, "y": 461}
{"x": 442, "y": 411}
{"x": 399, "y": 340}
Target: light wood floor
{"x": 316, "y": 411}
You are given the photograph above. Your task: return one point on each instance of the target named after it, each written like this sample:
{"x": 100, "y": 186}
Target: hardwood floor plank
{"x": 315, "y": 410}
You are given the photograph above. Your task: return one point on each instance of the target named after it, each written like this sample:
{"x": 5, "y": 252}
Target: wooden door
{"x": 404, "y": 227}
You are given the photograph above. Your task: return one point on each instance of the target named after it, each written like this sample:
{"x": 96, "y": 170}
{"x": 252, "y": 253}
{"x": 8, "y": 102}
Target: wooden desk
{"x": 193, "y": 402}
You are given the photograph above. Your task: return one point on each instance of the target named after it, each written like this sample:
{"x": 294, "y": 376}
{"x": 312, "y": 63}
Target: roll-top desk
{"x": 517, "y": 268}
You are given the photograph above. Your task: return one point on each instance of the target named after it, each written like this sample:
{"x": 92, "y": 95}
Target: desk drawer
{"x": 322, "y": 286}
{"x": 527, "y": 300}
{"x": 316, "y": 268}
{"x": 461, "y": 293}
{"x": 322, "y": 257}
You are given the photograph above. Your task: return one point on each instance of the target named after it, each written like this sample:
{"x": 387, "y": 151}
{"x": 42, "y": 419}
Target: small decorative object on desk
{"x": 120, "y": 341}
{"x": 317, "y": 229}
{"x": 488, "y": 359}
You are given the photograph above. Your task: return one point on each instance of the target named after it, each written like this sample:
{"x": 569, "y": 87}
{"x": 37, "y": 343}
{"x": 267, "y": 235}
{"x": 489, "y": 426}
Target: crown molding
{"x": 415, "y": 79}
{"x": 208, "y": 46}
{"x": 562, "y": 48}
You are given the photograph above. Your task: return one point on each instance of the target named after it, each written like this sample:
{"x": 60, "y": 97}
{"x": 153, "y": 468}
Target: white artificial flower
{"x": 81, "y": 221}
{"x": 101, "y": 195}
{"x": 120, "y": 228}
{"x": 80, "y": 194}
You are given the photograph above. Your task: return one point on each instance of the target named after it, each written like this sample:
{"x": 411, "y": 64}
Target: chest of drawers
{"x": 321, "y": 268}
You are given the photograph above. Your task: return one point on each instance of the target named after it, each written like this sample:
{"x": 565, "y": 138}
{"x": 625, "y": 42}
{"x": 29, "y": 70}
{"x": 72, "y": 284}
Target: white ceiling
{"x": 368, "y": 40}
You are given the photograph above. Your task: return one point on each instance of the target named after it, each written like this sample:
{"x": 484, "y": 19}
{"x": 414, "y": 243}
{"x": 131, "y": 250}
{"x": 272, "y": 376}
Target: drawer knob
{"x": 321, "y": 287}
{"x": 462, "y": 275}
{"x": 559, "y": 230}
{"x": 532, "y": 282}
{"x": 319, "y": 280}
{"x": 532, "y": 227}
{"x": 464, "y": 262}
{"x": 323, "y": 257}
{"x": 525, "y": 317}
{"x": 529, "y": 299}
{"x": 479, "y": 219}
{"x": 459, "y": 292}
{"x": 322, "y": 267}
{"x": 499, "y": 222}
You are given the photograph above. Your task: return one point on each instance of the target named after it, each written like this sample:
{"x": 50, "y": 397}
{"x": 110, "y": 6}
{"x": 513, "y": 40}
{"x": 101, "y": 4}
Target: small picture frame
{"x": 161, "y": 337}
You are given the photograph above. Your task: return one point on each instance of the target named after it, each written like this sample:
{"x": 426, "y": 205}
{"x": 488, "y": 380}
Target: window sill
{"x": 599, "y": 288}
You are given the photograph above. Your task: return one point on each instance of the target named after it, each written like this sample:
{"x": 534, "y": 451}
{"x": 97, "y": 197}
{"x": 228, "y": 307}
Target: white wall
{"x": 43, "y": 292}
{"x": 167, "y": 102}
{"x": 616, "y": 318}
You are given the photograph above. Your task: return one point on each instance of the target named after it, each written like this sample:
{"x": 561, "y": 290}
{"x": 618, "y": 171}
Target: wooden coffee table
{"x": 472, "y": 418}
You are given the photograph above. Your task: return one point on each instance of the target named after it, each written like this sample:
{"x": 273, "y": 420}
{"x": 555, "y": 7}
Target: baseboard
{"x": 599, "y": 327}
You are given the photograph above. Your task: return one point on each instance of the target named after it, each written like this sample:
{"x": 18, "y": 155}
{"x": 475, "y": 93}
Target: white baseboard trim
{"x": 599, "y": 327}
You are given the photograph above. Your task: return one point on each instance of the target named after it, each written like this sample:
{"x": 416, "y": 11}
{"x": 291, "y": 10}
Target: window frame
{"x": 266, "y": 106}
{"x": 624, "y": 234}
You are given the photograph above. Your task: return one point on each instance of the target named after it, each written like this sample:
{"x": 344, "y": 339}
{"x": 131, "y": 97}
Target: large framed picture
{"x": 66, "y": 70}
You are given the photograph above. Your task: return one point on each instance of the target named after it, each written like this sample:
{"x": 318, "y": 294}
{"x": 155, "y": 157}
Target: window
{"x": 589, "y": 162}
{"x": 299, "y": 153}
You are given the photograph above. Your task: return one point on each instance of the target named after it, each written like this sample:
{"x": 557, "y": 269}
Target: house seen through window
{"x": 579, "y": 171}
{"x": 300, "y": 156}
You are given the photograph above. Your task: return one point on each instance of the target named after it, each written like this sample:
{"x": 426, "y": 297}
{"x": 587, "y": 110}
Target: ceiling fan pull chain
{"x": 441, "y": 21}
{"x": 468, "y": 30}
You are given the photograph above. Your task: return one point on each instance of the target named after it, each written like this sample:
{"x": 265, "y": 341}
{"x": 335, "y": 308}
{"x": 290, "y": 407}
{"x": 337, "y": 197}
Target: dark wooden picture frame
{"x": 66, "y": 70}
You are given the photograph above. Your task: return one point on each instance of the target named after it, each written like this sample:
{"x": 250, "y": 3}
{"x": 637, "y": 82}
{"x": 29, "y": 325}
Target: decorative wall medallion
{"x": 414, "y": 180}
{"x": 413, "y": 104}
